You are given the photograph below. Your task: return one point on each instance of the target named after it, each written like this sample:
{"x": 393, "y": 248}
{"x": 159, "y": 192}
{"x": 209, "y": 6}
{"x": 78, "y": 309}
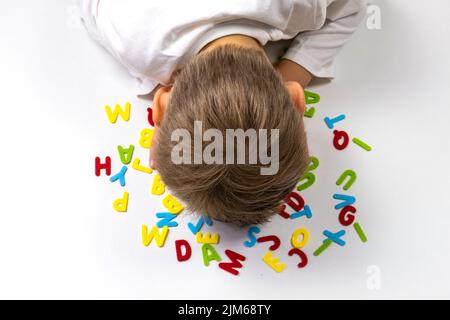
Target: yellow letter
{"x": 137, "y": 166}
{"x": 158, "y": 187}
{"x": 172, "y": 205}
{"x": 273, "y": 262}
{"x": 112, "y": 115}
{"x": 294, "y": 240}
{"x": 160, "y": 238}
{"x": 146, "y": 138}
{"x": 207, "y": 238}
{"x": 121, "y": 204}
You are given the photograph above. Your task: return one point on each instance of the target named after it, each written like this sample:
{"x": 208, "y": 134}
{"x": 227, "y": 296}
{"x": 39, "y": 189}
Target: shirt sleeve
{"x": 89, "y": 14}
{"x": 316, "y": 50}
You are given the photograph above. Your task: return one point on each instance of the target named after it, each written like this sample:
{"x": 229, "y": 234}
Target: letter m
{"x": 235, "y": 263}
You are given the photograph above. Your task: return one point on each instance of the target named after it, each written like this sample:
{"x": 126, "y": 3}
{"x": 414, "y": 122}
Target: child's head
{"x": 230, "y": 87}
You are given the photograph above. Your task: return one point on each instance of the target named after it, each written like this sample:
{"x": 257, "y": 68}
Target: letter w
{"x": 235, "y": 263}
{"x": 160, "y": 238}
{"x": 112, "y": 115}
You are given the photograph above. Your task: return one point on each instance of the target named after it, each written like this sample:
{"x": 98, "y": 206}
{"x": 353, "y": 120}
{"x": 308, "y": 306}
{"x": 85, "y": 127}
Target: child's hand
{"x": 291, "y": 71}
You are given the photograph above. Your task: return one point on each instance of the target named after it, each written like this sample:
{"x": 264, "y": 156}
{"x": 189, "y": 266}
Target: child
{"x": 205, "y": 62}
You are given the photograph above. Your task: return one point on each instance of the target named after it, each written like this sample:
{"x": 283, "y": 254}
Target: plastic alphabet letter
{"x": 360, "y": 232}
{"x": 102, "y": 166}
{"x": 335, "y": 237}
{"x": 276, "y": 242}
{"x": 347, "y": 174}
{"x": 120, "y": 176}
{"x": 158, "y": 187}
{"x": 346, "y": 200}
{"x": 310, "y": 112}
{"x": 302, "y": 255}
{"x": 209, "y": 254}
{"x": 314, "y": 163}
{"x": 305, "y": 238}
{"x": 166, "y": 220}
{"x": 160, "y": 237}
{"x": 146, "y": 138}
{"x": 208, "y": 221}
{"x": 113, "y": 115}
{"x": 150, "y": 117}
{"x": 305, "y": 212}
{"x": 331, "y": 122}
{"x": 310, "y": 179}
{"x": 179, "y": 244}
{"x": 126, "y": 154}
{"x": 311, "y": 97}
{"x": 322, "y": 248}
{"x": 295, "y": 201}
{"x": 273, "y": 262}
{"x": 121, "y": 204}
{"x": 235, "y": 263}
{"x": 345, "y": 219}
{"x": 283, "y": 212}
{"x": 207, "y": 238}
{"x": 172, "y": 205}
{"x": 340, "y": 140}
{"x": 362, "y": 144}
{"x": 195, "y": 229}
{"x": 251, "y": 235}
{"x": 137, "y": 166}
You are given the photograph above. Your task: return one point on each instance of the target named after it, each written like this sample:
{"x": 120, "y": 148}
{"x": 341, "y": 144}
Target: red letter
{"x": 283, "y": 212}
{"x": 150, "y": 117}
{"x": 302, "y": 255}
{"x": 338, "y": 135}
{"x": 180, "y": 256}
{"x": 298, "y": 204}
{"x": 344, "y": 219}
{"x": 275, "y": 239}
{"x": 103, "y": 166}
{"x": 235, "y": 263}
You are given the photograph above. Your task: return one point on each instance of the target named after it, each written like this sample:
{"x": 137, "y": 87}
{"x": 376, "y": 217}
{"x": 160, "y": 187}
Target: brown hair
{"x": 232, "y": 87}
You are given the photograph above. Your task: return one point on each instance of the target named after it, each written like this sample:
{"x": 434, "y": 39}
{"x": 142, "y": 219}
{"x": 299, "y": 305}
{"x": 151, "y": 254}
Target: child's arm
{"x": 292, "y": 71}
{"x": 312, "y": 53}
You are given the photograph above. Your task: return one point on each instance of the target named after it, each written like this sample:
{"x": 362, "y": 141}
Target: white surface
{"x": 59, "y": 237}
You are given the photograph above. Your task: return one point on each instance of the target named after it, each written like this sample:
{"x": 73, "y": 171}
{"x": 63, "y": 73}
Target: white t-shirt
{"x": 153, "y": 38}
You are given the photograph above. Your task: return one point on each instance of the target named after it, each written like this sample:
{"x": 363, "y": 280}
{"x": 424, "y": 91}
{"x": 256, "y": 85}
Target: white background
{"x": 60, "y": 238}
